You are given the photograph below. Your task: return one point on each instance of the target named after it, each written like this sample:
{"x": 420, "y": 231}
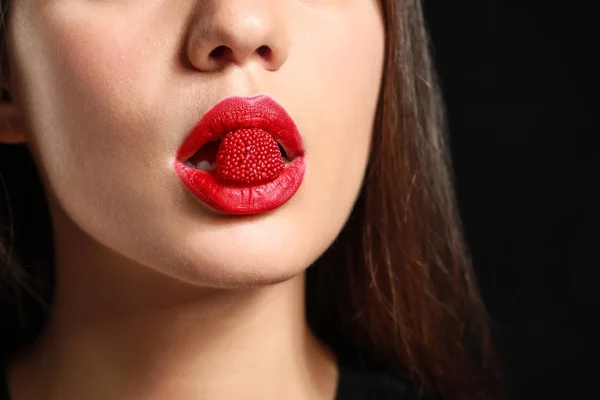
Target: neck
{"x": 117, "y": 330}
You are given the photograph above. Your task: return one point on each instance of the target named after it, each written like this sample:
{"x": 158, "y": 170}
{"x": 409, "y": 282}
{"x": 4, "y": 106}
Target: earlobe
{"x": 11, "y": 126}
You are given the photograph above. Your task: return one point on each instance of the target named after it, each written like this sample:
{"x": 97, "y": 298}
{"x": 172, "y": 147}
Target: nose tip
{"x": 228, "y": 36}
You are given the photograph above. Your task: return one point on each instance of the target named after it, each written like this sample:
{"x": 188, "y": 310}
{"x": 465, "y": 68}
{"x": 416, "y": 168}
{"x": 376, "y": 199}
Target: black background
{"x": 520, "y": 84}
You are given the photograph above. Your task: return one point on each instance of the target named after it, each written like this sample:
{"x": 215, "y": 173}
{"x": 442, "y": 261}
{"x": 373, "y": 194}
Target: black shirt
{"x": 362, "y": 383}
{"x": 355, "y": 383}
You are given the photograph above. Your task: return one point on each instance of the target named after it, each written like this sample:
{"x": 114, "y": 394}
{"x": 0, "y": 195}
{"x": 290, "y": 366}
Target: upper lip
{"x": 235, "y": 112}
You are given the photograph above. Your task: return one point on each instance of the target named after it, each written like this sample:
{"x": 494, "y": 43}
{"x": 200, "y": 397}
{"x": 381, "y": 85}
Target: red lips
{"x": 245, "y": 173}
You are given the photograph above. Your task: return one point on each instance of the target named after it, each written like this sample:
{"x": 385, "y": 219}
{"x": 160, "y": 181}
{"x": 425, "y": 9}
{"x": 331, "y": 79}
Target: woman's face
{"x": 111, "y": 88}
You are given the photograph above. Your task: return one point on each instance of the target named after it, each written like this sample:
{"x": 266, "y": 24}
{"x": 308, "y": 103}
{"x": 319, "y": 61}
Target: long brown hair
{"x": 396, "y": 287}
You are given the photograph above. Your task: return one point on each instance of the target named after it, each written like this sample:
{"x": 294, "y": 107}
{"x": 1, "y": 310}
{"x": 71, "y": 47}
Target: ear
{"x": 11, "y": 125}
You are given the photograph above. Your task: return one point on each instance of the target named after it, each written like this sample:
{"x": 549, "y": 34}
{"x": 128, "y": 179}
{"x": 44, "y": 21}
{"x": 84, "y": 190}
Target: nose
{"x": 228, "y": 32}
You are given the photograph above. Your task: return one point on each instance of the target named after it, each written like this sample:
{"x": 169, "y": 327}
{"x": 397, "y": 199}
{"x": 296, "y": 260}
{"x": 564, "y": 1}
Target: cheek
{"x": 94, "y": 70}
{"x": 88, "y": 71}
{"x": 343, "y": 82}
{"x": 89, "y": 109}
{"x": 85, "y": 97}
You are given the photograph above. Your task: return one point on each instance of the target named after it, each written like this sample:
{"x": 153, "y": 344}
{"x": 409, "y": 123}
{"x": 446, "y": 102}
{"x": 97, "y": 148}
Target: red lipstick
{"x": 194, "y": 162}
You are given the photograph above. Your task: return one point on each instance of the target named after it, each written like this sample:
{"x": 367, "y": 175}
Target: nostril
{"x": 263, "y": 51}
{"x": 225, "y": 53}
{"x": 220, "y": 52}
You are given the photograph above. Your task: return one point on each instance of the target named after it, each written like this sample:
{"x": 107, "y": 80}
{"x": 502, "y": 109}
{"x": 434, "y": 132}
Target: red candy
{"x": 248, "y": 156}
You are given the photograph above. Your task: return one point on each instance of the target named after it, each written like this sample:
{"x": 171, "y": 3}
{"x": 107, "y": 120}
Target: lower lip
{"x": 243, "y": 200}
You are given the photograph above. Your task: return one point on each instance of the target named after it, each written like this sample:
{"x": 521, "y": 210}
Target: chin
{"x": 234, "y": 273}
{"x": 238, "y": 251}
{"x": 215, "y": 263}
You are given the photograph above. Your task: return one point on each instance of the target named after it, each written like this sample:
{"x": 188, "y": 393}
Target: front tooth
{"x": 205, "y": 166}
